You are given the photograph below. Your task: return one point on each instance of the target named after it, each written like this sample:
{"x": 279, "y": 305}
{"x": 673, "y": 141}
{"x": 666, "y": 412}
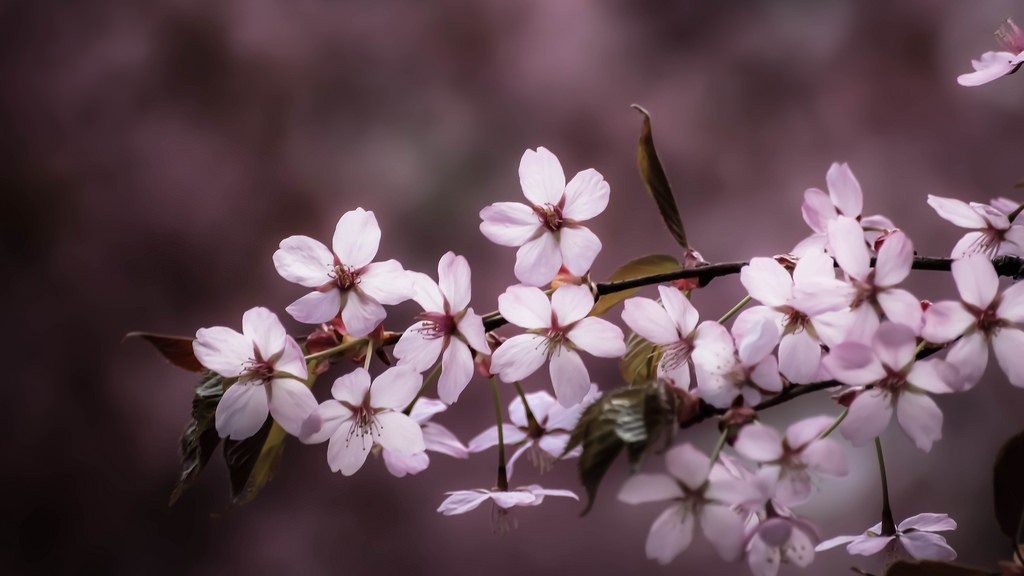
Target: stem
{"x": 426, "y": 383}
{"x": 337, "y": 349}
{"x": 888, "y": 524}
{"x": 832, "y": 428}
{"x": 732, "y": 311}
{"x": 1016, "y": 212}
{"x": 719, "y": 445}
{"x": 530, "y": 418}
{"x": 369, "y": 355}
{"x": 502, "y": 474}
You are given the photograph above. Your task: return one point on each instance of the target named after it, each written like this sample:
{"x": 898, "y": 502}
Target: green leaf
{"x": 176, "y": 349}
{"x": 639, "y": 365}
{"x": 1008, "y": 484}
{"x": 643, "y": 266}
{"x": 200, "y": 439}
{"x": 252, "y": 462}
{"x": 933, "y": 568}
{"x": 630, "y": 418}
{"x": 654, "y": 178}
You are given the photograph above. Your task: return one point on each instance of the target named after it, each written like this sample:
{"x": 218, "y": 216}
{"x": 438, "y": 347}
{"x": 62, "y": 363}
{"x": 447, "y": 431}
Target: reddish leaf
{"x": 176, "y": 349}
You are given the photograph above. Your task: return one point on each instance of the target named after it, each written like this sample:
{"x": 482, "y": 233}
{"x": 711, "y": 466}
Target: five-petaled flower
{"x": 462, "y": 501}
{"x": 556, "y": 329}
{"x": 548, "y": 232}
{"x": 363, "y": 414}
{"x": 915, "y": 535}
{"x": 995, "y": 65}
{"x": 992, "y": 234}
{"x": 270, "y": 371}
{"x": 345, "y": 280}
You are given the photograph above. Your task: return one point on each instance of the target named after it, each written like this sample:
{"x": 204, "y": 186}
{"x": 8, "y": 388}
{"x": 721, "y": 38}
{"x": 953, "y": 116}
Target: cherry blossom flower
{"x": 982, "y": 316}
{"x": 693, "y": 499}
{"x": 462, "y": 501}
{"x": 447, "y": 328}
{"x": 896, "y": 381}
{"x": 844, "y": 198}
{"x": 672, "y": 325}
{"x": 994, "y": 65}
{"x": 436, "y": 438}
{"x": 548, "y": 231}
{"x": 726, "y": 369}
{"x": 768, "y": 282}
{"x": 270, "y": 370}
{"x": 991, "y": 234}
{"x": 780, "y": 540}
{"x": 915, "y": 536}
{"x": 346, "y": 279}
{"x": 793, "y": 457}
{"x": 545, "y": 438}
{"x": 364, "y": 414}
{"x": 556, "y": 329}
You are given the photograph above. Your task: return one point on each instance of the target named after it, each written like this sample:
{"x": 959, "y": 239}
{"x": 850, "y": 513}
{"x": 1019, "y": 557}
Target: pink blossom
{"x": 363, "y": 415}
{"x": 694, "y": 499}
{"x": 462, "y": 501}
{"x": 981, "y": 316}
{"x": 780, "y": 540}
{"x": 991, "y": 234}
{"x": 844, "y": 198}
{"x": 436, "y": 438}
{"x": 914, "y": 536}
{"x": 345, "y": 279}
{"x": 447, "y": 328}
{"x": 793, "y": 457}
{"x": 726, "y": 369}
{"x": 895, "y": 381}
{"x": 994, "y": 65}
{"x": 269, "y": 369}
{"x": 555, "y": 330}
{"x": 544, "y": 439}
{"x": 672, "y": 326}
{"x": 548, "y": 231}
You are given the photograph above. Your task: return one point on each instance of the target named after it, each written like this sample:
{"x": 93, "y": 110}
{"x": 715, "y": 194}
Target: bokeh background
{"x": 152, "y": 155}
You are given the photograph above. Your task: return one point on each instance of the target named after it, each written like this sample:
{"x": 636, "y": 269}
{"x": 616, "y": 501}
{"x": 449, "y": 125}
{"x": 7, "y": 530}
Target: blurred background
{"x": 152, "y": 155}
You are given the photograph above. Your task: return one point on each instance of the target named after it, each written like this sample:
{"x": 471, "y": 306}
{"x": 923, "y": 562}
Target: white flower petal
{"x": 571, "y": 303}
{"x": 976, "y": 280}
{"x": 387, "y": 282}
{"x": 579, "y": 248}
{"x": 767, "y": 281}
{"x": 846, "y": 239}
{"x": 868, "y": 416}
{"x": 400, "y": 465}
{"x": 928, "y": 522}
{"x": 894, "y": 345}
{"x": 1011, "y": 304}
{"x": 844, "y": 190}
{"x": 323, "y": 422}
{"x": 957, "y": 212}
{"x": 290, "y": 403}
{"x": 648, "y": 319}
{"x": 927, "y": 546}
{"x": 242, "y": 411}
{"x": 395, "y": 388}
{"x": 946, "y": 321}
{"x": 853, "y": 363}
{"x": 361, "y": 314}
{"x": 991, "y": 66}
{"x": 539, "y": 260}
{"x": 970, "y": 357}
{"x": 455, "y": 280}
{"x": 569, "y": 377}
{"x": 437, "y": 438}
{"x": 316, "y": 307}
{"x": 688, "y": 464}
{"x": 826, "y": 457}
{"x": 356, "y": 238}
{"x": 759, "y": 443}
{"x": 800, "y": 357}
{"x": 266, "y": 332}
{"x": 489, "y": 437}
{"x": 519, "y": 356}
{"x": 1007, "y": 345}
{"x": 417, "y": 349}
{"x": 599, "y": 337}
{"x": 894, "y": 260}
{"x": 670, "y": 534}
{"x": 920, "y": 418}
{"x": 642, "y": 488}
{"x": 724, "y": 529}
{"x": 541, "y": 176}
{"x": 868, "y": 545}
{"x": 222, "y": 350}
{"x": 291, "y": 361}
{"x": 679, "y": 309}
{"x": 399, "y": 433}
{"x": 817, "y": 210}
{"x": 462, "y": 501}
{"x": 352, "y": 388}
{"x": 304, "y": 261}
{"x": 456, "y": 371}
{"x": 471, "y": 327}
{"x": 526, "y": 307}
{"x": 509, "y": 223}
{"x": 586, "y": 195}
{"x": 347, "y": 451}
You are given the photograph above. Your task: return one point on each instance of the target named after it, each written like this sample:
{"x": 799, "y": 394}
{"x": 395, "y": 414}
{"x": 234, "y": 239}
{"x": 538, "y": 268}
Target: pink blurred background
{"x": 154, "y": 154}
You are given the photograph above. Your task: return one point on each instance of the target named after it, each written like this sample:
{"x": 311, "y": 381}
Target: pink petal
{"x": 767, "y": 281}
{"x": 679, "y": 309}
{"x": 927, "y": 546}
{"x": 844, "y": 190}
{"x": 794, "y": 487}
{"x": 799, "y": 357}
{"x": 323, "y": 422}
{"x": 920, "y": 418}
{"x": 455, "y": 280}
{"x": 518, "y": 497}
{"x": 846, "y": 238}
{"x": 648, "y": 319}
{"x": 304, "y": 261}
{"x": 291, "y": 402}
{"x": 265, "y": 330}
{"x": 928, "y": 522}
{"x": 569, "y": 377}
{"x": 509, "y": 223}
{"x": 868, "y": 417}
{"x": 291, "y": 361}
{"x": 976, "y": 280}
{"x": 241, "y": 411}
{"x": 352, "y": 388}
{"x": 400, "y": 465}
{"x": 437, "y": 438}
{"x": 826, "y": 457}
{"x": 946, "y": 321}
{"x": 991, "y": 66}
{"x": 688, "y": 464}
{"x": 1007, "y": 345}
{"x": 541, "y": 176}
{"x": 541, "y": 405}
{"x": 395, "y": 388}
{"x": 519, "y": 356}
{"x": 471, "y": 327}
{"x": 643, "y": 488}
{"x": 854, "y": 363}
{"x": 456, "y": 371}
{"x": 526, "y": 307}
{"x": 818, "y": 210}
{"x": 970, "y": 357}
{"x": 598, "y": 337}
{"x": 804, "y": 432}
{"x": 316, "y": 307}
{"x": 416, "y": 349}
{"x": 356, "y": 238}
{"x": 399, "y": 433}
{"x": 222, "y": 350}
{"x": 957, "y": 212}
{"x": 489, "y": 437}
{"x": 759, "y": 443}
{"x": 935, "y": 376}
{"x": 758, "y": 343}
{"x": 894, "y": 345}
{"x": 670, "y": 534}
{"x": 570, "y": 303}
{"x": 586, "y": 195}
{"x": 894, "y": 260}
{"x": 579, "y": 248}
{"x": 362, "y": 313}
{"x": 539, "y": 260}
{"x": 868, "y": 545}
{"x": 347, "y": 451}
{"x": 463, "y": 501}
{"x": 724, "y": 529}
{"x": 426, "y": 408}
{"x": 973, "y": 244}
{"x": 816, "y": 265}
{"x": 541, "y": 493}
{"x": 766, "y": 376}
{"x": 1011, "y": 304}
{"x": 387, "y": 282}
{"x": 833, "y": 542}
{"x": 1013, "y": 241}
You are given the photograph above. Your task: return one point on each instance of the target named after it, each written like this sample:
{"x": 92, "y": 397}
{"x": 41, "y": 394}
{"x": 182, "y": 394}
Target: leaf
{"x": 630, "y": 418}
{"x": 252, "y": 462}
{"x": 656, "y": 181}
{"x": 176, "y": 349}
{"x": 933, "y": 568}
{"x": 200, "y": 439}
{"x": 1008, "y": 484}
{"x": 643, "y": 266}
{"x": 639, "y": 365}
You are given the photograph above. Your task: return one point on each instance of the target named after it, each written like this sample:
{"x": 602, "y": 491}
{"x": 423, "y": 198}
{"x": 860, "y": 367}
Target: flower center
{"x": 345, "y": 277}
{"x": 436, "y": 325}
{"x": 550, "y": 216}
{"x": 364, "y": 427}
{"x": 257, "y": 370}
{"x": 989, "y": 322}
{"x": 893, "y": 382}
